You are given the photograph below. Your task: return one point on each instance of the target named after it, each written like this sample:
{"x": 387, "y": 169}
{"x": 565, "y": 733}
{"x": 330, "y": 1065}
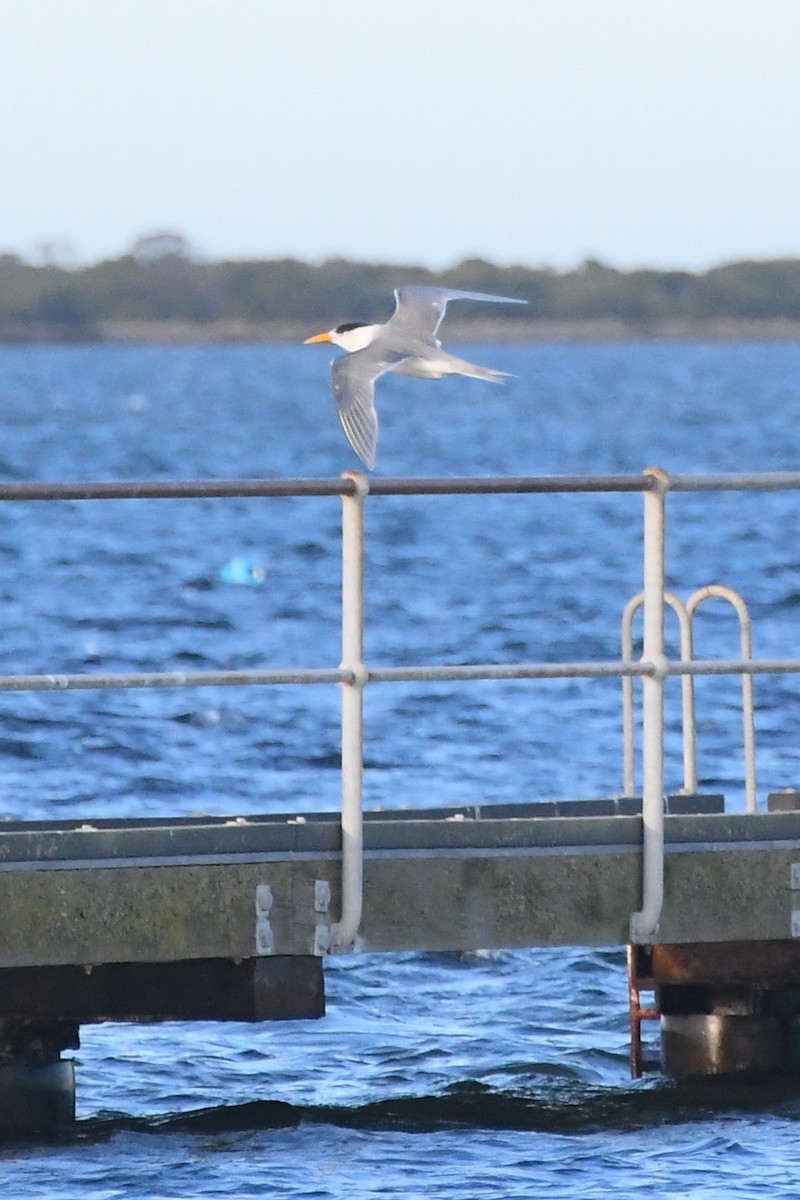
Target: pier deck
{"x": 249, "y": 894}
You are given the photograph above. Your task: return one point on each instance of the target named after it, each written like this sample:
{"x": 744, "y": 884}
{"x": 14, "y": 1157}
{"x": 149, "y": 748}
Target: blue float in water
{"x": 243, "y": 571}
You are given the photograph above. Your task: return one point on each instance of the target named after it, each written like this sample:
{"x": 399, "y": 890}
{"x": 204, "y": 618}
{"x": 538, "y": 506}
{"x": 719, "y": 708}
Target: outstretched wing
{"x": 419, "y": 310}
{"x": 353, "y": 377}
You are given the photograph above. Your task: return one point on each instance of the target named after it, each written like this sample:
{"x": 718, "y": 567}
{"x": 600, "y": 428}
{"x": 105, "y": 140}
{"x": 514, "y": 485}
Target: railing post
{"x": 644, "y": 924}
{"x": 343, "y": 934}
{"x": 687, "y": 696}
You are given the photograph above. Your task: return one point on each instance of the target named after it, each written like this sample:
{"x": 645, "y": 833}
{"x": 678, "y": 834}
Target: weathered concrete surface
{"x": 167, "y": 892}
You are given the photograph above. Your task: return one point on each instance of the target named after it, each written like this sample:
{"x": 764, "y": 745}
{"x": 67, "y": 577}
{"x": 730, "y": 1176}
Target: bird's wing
{"x": 353, "y": 377}
{"x": 419, "y": 310}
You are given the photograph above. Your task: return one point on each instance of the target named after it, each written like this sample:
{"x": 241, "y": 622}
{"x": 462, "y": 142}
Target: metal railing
{"x": 685, "y": 614}
{"x": 353, "y": 675}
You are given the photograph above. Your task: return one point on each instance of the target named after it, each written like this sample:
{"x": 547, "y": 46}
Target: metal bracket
{"x": 322, "y": 896}
{"x": 322, "y": 939}
{"x": 265, "y": 941}
{"x": 794, "y": 884}
{"x": 322, "y": 904}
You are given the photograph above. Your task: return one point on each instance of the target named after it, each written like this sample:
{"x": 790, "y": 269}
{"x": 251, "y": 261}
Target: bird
{"x": 406, "y": 345}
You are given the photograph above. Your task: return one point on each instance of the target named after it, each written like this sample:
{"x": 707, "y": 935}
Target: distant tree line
{"x": 162, "y": 281}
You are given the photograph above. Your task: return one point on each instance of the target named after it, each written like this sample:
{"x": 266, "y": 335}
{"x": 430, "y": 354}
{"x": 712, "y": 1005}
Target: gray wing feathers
{"x": 421, "y": 309}
{"x": 361, "y": 427}
{"x": 408, "y": 336}
{"x": 353, "y": 380}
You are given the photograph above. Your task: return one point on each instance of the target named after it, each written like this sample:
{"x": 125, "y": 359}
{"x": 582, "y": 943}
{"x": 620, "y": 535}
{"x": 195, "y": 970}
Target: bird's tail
{"x": 490, "y": 374}
{"x": 450, "y": 364}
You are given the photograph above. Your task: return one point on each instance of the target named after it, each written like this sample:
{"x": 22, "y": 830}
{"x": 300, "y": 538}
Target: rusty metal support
{"x": 767, "y": 964}
{"x": 725, "y": 1008}
{"x": 639, "y": 980}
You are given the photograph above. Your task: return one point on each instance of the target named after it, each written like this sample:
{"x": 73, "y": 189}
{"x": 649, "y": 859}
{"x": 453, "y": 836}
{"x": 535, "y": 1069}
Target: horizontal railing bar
{"x": 584, "y": 670}
{"x": 764, "y": 481}
{"x": 455, "y": 672}
{"x": 54, "y": 682}
{"x": 749, "y": 666}
{"x": 192, "y": 489}
{"x": 175, "y": 489}
{"x": 169, "y": 679}
{"x": 486, "y": 485}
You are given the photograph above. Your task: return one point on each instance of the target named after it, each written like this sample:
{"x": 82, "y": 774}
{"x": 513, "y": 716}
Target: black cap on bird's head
{"x": 347, "y": 335}
{"x": 348, "y": 325}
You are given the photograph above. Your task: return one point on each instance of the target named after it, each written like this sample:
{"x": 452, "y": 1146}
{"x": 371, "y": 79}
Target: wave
{"x": 567, "y": 1108}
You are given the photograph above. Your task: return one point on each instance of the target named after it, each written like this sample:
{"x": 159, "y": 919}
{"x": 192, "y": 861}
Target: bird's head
{"x": 353, "y": 335}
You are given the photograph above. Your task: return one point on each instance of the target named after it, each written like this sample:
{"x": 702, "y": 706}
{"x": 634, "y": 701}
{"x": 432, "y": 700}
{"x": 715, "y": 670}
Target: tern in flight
{"x": 406, "y": 344}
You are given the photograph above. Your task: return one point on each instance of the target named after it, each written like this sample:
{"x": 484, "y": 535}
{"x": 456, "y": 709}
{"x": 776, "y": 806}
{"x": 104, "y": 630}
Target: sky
{"x": 639, "y": 132}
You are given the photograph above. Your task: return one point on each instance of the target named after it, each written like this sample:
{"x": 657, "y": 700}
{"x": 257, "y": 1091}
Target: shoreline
{"x": 232, "y": 332}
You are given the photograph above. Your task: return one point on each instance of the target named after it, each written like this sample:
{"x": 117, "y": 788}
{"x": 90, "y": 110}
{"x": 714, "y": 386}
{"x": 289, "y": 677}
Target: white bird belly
{"x": 423, "y": 368}
{"x": 440, "y": 364}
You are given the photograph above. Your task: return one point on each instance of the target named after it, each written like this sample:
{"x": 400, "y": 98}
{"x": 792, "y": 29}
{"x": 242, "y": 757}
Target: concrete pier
{"x": 267, "y": 887}
{"x": 230, "y": 919}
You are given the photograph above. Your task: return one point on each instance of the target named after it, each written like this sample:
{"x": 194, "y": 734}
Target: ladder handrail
{"x": 719, "y": 591}
{"x": 686, "y": 614}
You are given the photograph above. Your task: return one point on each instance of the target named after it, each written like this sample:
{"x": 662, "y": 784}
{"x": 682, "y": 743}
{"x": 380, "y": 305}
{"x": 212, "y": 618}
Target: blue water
{"x": 502, "y": 1074}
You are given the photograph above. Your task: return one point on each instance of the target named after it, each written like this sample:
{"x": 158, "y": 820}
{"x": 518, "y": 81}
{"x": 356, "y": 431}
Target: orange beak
{"x": 318, "y": 337}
